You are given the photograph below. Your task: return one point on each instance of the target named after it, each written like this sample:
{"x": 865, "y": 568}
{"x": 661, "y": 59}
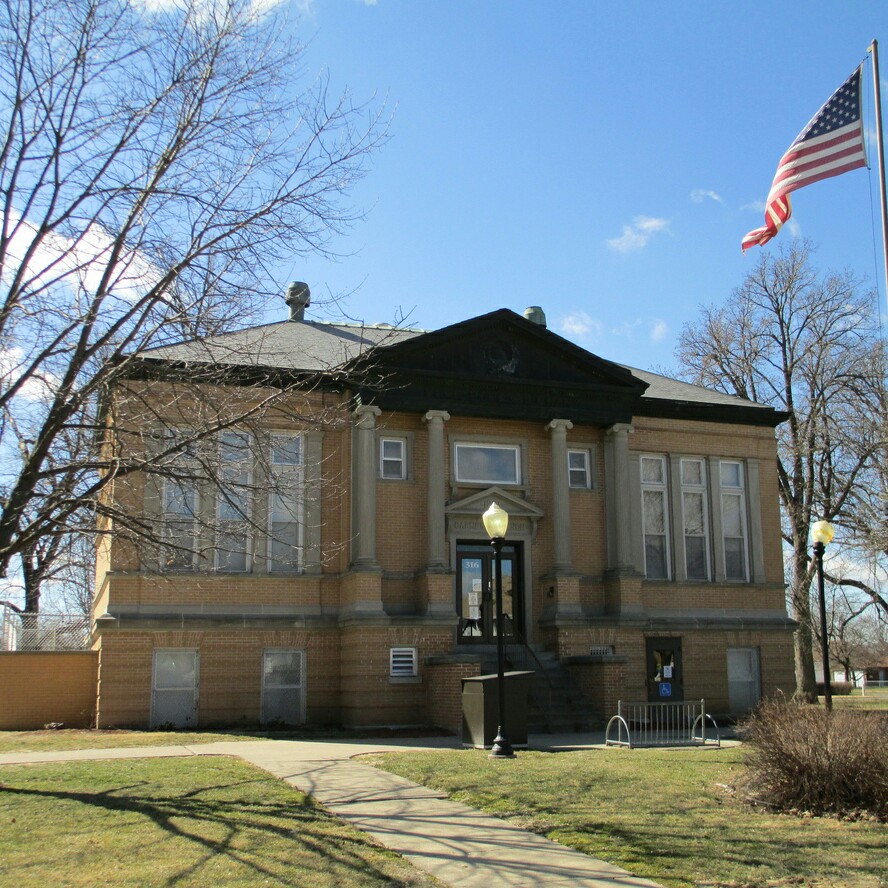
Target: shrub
{"x": 804, "y": 759}
{"x": 837, "y": 688}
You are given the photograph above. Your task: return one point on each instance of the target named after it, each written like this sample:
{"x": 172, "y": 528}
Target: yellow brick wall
{"x": 40, "y": 687}
{"x": 230, "y": 683}
{"x": 348, "y": 669}
{"x": 444, "y": 693}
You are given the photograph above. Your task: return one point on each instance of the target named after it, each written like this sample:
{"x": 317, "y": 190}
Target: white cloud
{"x": 579, "y": 325}
{"x": 627, "y": 329}
{"x": 636, "y": 235}
{"x": 13, "y": 363}
{"x": 659, "y": 330}
{"x": 78, "y": 263}
{"x": 698, "y": 195}
{"x": 757, "y": 206}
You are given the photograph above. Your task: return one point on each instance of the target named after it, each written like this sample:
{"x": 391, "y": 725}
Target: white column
{"x": 435, "y": 525}
{"x": 560, "y": 493}
{"x": 364, "y": 487}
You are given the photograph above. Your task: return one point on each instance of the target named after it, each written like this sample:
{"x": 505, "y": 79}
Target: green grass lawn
{"x": 658, "y": 813}
{"x": 178, "y": 822}
{"x": 73, "y": 738}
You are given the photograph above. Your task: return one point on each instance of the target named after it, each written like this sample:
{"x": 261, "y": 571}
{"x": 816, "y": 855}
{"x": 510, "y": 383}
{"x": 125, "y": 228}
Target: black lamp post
{"x": 496, "y": 522}
{"x": 822, "y": 533}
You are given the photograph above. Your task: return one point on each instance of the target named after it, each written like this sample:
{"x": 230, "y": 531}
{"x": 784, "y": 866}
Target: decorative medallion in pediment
{"x": 502, "y": 365}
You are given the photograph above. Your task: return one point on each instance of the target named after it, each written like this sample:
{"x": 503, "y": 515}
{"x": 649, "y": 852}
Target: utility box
{"x": 480, "y": 702}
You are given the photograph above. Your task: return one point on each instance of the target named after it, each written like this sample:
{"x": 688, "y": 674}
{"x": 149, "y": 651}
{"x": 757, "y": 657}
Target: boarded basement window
{"x": 402, "y": 662}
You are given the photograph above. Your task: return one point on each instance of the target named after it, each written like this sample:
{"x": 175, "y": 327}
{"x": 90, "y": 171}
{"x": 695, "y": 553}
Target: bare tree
{"x": 850, "y": 623}
{"x": 156, "y": 164}
{"x": 806, "y": 344}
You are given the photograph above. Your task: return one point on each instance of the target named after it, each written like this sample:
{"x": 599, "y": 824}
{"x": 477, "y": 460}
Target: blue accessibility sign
{"x": 665, "y": 688}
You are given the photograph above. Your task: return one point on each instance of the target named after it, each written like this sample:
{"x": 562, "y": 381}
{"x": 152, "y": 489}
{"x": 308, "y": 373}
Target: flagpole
{"x": 874, "y": 50}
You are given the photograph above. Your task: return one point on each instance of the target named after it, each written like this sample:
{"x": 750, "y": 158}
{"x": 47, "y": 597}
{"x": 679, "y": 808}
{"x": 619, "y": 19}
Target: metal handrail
{"x": 522, "y": 655}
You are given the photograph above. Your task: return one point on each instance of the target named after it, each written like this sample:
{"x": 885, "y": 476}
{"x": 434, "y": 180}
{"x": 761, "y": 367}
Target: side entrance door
{"x": 283, "y": 686}
{"x": 174, "y": 687}
{"x": 744, "y": 681}
{"x": 475, "y": 601}
{"x": 664, "y": 670}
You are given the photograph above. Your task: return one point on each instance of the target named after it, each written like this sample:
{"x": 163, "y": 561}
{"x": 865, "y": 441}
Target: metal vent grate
{"x": 402, "y": 662}
{"x": 601, "y": 650}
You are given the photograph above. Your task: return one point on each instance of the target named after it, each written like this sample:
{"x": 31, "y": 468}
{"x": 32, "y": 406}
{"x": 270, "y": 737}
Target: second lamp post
{"x": 822, "y": 534}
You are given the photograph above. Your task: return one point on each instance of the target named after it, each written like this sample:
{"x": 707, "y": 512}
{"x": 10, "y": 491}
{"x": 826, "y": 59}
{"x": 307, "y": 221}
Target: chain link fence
{"x": 43, "y": 632}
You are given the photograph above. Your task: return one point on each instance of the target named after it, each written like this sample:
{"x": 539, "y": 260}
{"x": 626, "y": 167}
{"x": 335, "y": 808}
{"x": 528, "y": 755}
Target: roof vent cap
{"x": 298, "y": 298}
{"x": 535, "y": 315}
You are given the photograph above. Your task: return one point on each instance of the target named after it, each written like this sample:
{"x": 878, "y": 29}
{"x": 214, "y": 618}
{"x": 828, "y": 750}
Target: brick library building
{"x": 305, "y": 544}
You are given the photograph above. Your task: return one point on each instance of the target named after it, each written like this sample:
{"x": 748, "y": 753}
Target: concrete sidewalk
{"x": 457, "y": 844}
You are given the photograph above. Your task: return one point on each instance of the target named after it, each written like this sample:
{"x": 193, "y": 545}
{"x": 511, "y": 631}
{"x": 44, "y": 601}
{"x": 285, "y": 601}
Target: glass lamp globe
{"x": 496, "y": 521}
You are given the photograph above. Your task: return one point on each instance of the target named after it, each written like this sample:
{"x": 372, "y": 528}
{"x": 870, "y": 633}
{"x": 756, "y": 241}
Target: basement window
{"x": 403, "y": 662}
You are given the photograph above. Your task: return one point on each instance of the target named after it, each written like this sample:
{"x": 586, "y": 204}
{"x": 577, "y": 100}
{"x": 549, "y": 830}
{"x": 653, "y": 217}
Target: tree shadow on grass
{"x": 755, "y": 855}
{"x": 288, "y": 841}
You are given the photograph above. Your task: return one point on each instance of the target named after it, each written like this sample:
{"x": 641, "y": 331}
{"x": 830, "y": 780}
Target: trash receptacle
{"x": 480, "y": 701}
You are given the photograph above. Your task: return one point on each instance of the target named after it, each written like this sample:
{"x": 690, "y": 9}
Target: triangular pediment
{"x": 479, "y": 502}
{"x": 502, "y": 365}
{"x": 464, "y": 515}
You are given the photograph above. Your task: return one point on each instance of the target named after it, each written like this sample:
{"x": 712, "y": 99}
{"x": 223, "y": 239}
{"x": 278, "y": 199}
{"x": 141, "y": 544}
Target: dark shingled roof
{"x": 664, "y": 388}
{"x": 288, "y": 345}
{"x": 315, "y": 346}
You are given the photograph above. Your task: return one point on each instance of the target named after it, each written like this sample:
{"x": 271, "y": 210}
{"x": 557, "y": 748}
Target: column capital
{"x": 365, "y": 416}
{"x": 620, "y": 428}
{"x": 559, "y": 425}
{"x": 436, "y": 416}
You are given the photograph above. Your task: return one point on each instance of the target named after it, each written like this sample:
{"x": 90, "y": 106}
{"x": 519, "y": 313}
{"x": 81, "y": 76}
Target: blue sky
{"x": 602, "y": 160}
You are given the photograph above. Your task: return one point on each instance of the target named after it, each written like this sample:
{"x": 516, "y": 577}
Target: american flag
{"x": 831, "y": 144}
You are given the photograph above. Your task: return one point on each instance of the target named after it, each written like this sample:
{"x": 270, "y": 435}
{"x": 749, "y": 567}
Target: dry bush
{"x": 805, "y": 759}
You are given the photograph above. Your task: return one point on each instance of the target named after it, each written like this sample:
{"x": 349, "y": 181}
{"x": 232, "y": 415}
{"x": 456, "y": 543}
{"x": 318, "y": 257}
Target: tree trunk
{"x": 806, "y": 683}
{"x": 31, "y": 577}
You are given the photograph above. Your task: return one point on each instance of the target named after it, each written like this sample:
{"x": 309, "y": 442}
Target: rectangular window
{"x": 393, "y": 459}
{"x": 233, "y": 502}
{"x": 733, "y": 506}
{"x": 694, "y": 518}
{"x": 488, "y": 463}
{"x": 179, "y": 505}
{"x": 655, "y": 517}
{"x": 579, "y": 474}
{"x": 402, "y": 662}
{"x": 285, "y": 503}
